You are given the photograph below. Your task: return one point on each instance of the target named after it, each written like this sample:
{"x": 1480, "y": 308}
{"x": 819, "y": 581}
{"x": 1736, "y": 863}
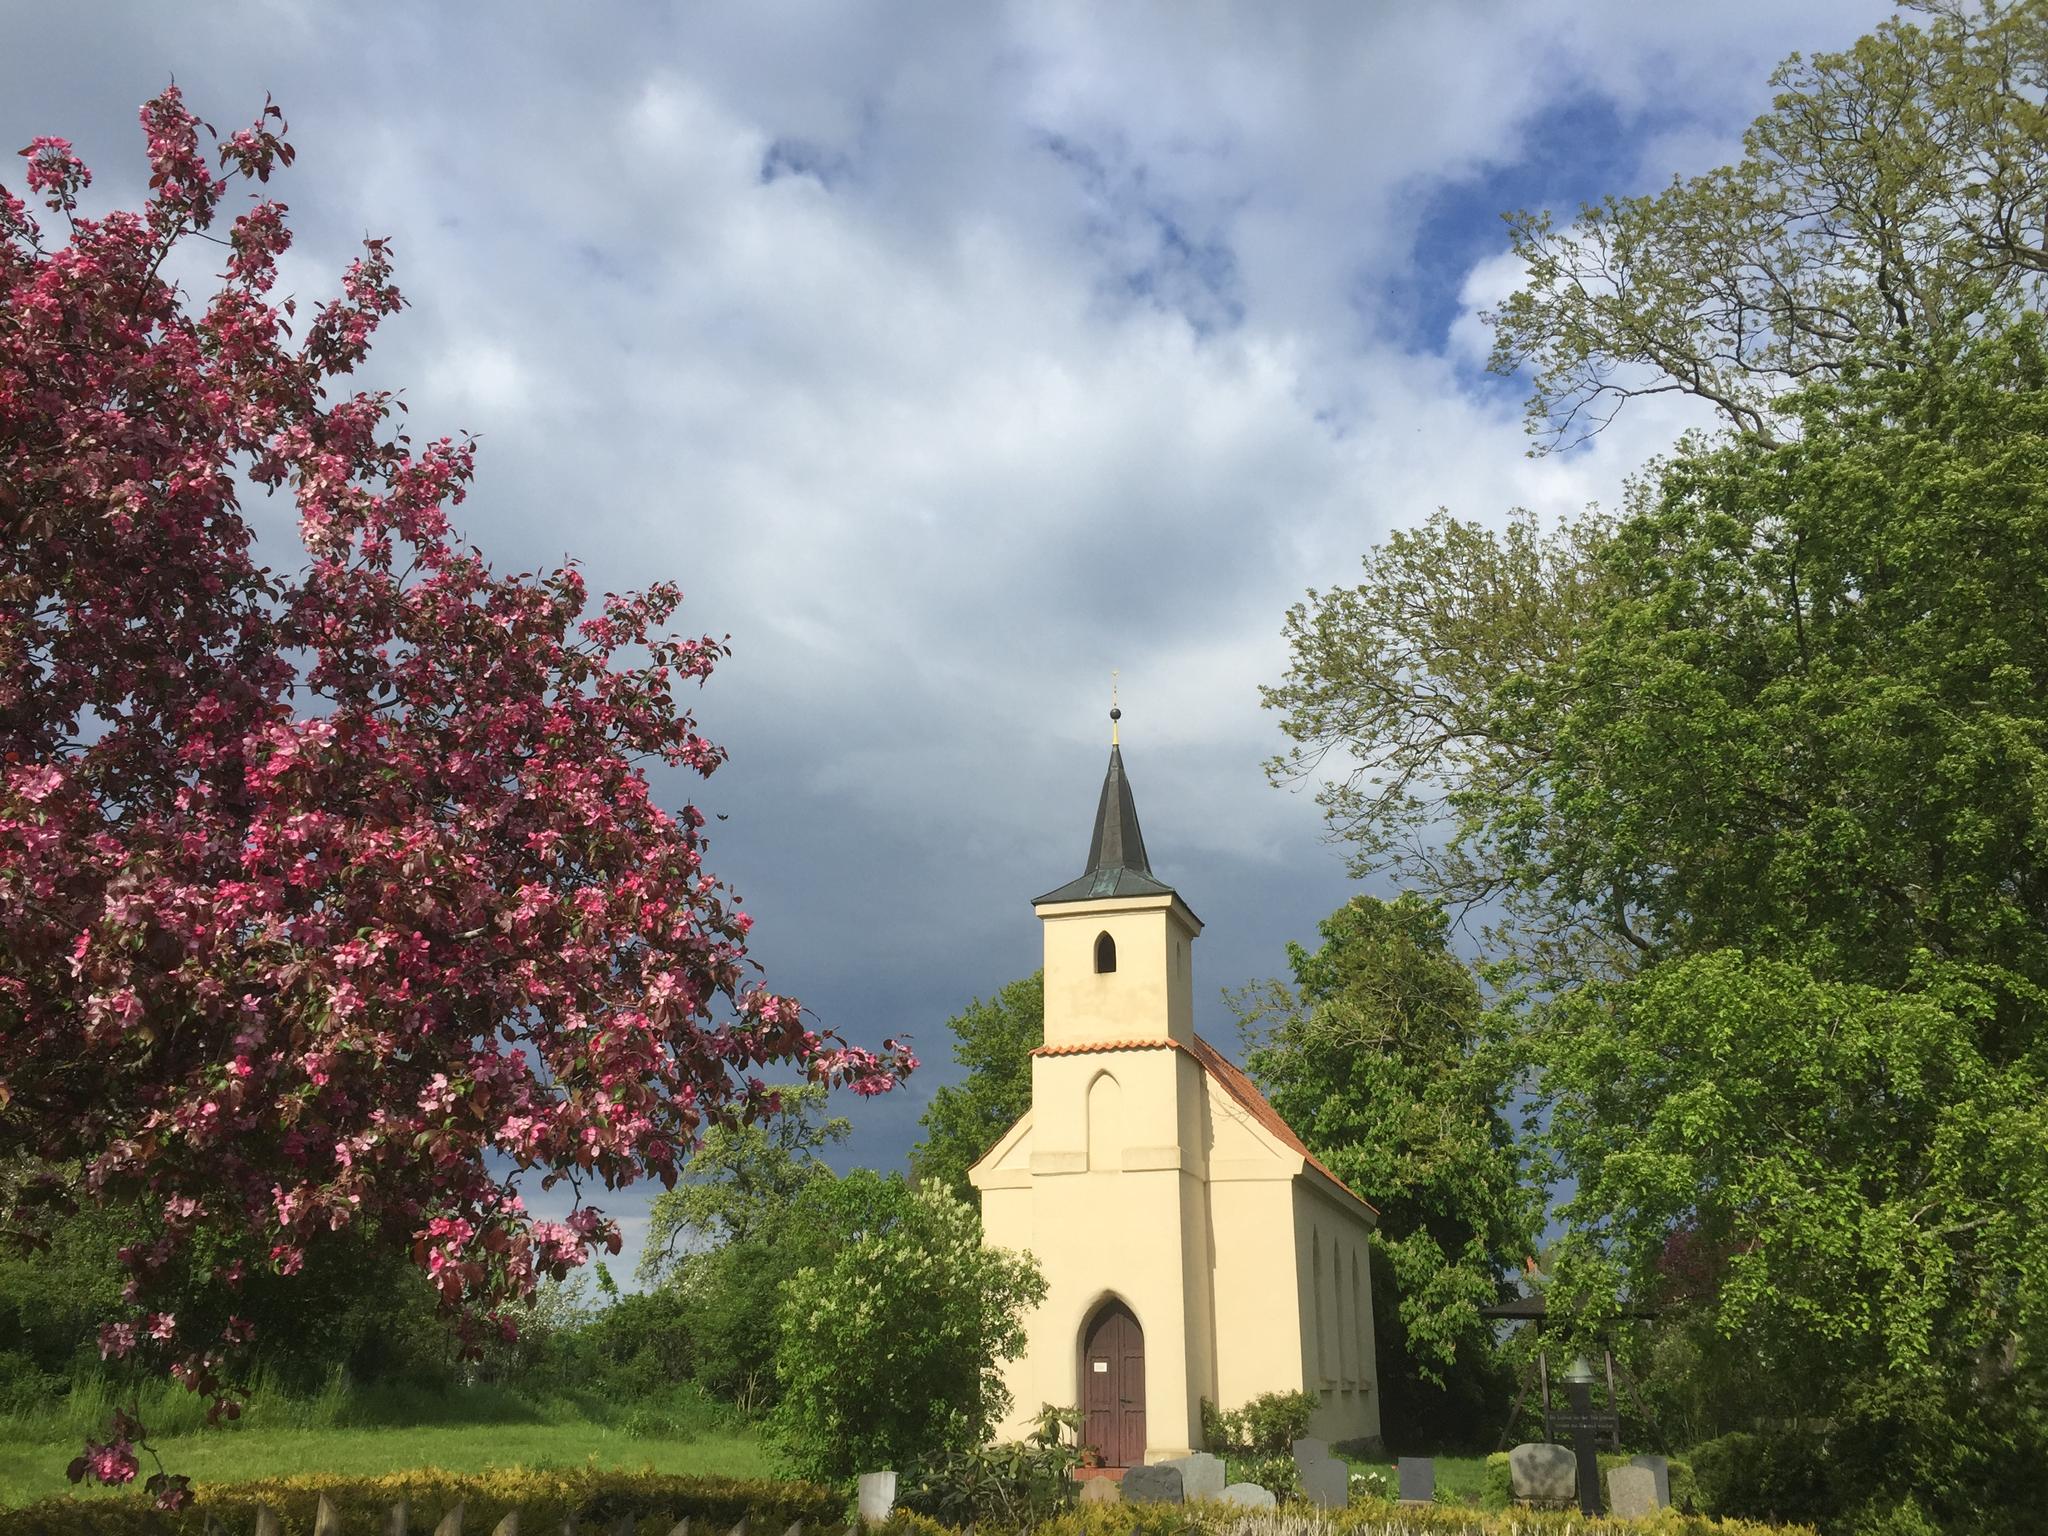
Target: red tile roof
{"x": 1234, "y": 1082}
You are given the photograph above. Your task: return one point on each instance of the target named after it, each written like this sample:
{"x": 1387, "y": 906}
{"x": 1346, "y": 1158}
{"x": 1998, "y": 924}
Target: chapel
{"x": 1192, "y": 1245}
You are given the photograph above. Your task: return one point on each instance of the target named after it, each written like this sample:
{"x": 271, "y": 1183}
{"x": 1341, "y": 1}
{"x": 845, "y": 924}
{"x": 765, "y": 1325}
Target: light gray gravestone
{"x": 1325, "y": 1483}
{"x": 1100, "y": 1490}
{"x": 1201, "y": 1475}
{"x": 877, "y": 1496}
{"x": 508, "y": 1525}
{"x": 1418, "y": 1479}
{"x": 1660, "y": 1468}
{"x": 1543, "y": 1473}
{"x": 1311, "y": 1450}
{"x": 1632, "y": 1493}
{"x": 1248, "y": 1496}
{"x": 1155, "y": 1484}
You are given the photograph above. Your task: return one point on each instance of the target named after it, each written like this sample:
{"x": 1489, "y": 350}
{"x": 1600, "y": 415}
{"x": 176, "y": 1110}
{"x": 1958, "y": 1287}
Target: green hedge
{"x": 1369, "y": 1518}
{"x": 1500, "y": 1488}
{"x": 544, "y": 1499}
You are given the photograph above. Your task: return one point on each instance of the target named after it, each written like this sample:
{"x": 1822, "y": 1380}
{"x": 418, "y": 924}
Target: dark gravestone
{"x": 1418, "y": 1479}
{"x": 1152, "y": 1485}
{"x": 1660, "y": 1468}
{"x": 1583, "y": 1425}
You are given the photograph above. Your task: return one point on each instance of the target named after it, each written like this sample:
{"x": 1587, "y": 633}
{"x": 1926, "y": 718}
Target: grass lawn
{"x": 30, "y": 1471}
{"x": 1459, "y": 1479}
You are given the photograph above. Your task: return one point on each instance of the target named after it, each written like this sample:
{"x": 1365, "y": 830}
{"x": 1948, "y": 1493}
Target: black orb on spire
{"x": 1115, "y": 713}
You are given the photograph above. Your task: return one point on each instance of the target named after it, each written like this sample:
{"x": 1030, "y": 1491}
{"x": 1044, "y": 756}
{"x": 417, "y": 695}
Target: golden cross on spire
{"x": 1115, "y": 714}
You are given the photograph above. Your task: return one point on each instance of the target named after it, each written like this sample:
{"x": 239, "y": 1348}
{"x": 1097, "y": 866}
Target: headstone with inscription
{"x": 1632, "y": 1493}
{"x": 1540, "y": 1473}
{"x": 1660, "y": 1468}
{"x": 1156, "y": 1484}
{"x": 1418, "y": 1479}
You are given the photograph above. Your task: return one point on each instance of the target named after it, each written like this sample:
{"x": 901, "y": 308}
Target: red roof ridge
{"x": 1238, "y": 1084}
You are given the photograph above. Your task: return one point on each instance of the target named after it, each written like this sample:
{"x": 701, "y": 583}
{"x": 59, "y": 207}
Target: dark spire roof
{"x": 1116, "y": 853}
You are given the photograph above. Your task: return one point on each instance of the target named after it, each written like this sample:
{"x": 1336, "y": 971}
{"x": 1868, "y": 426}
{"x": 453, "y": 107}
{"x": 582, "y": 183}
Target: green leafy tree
{"x": 889, "y": 1349}
{"x": 1435, "y": 685}
{"x": 1896, "y": 193}
{"x": 742, "y": 1177}
{"x": 1809, "y": 744}
{"x": 1374, "y": 1055}
{"x": 994, "y": 1042}
{"x": 1797, "y": 763}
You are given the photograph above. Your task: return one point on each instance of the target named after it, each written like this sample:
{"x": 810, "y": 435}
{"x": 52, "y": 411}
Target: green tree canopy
{"x": 993, "y": 1041}
{"x": 742, "y": 1177}
{"x": 1896, "y": 193}
{"x": 1374, "y": 1056}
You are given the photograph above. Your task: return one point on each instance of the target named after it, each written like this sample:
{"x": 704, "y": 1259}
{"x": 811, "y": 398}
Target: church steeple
{"x": 1117, "y": 865}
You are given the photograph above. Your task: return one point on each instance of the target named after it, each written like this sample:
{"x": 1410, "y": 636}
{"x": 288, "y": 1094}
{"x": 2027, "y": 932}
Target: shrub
{"x": 1763, "y": 1477}
{"x": 1268, "y": 1425}
{"x": 1009, "y": 1487}
{"x": 544, "y": 1499}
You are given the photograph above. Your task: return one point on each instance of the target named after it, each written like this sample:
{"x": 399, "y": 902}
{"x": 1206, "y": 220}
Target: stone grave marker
{"x": 1325, "y": 1483}
{"x": 1418, "y": 1479}
{"x": 877, "y": 1496}
{"x": 1660, "y": 1468}
{"x": 1201, "y": 1475}
{"x": 1155, "y": 1484}
{"x": 1248, "y": 1496}
{"x": 1100, "y": 1490}
{"x": 1632, "y": 1493}
{"x": 1311, "y": 1450}
{"x": 1543, "y": 1474}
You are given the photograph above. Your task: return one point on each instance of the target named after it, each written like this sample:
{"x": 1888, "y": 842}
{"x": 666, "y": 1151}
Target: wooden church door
{"x": 1113, "y": 1386}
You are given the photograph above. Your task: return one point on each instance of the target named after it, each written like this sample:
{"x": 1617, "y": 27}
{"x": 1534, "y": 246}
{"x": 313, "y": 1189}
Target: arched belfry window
{"x": 1105, "y": 954}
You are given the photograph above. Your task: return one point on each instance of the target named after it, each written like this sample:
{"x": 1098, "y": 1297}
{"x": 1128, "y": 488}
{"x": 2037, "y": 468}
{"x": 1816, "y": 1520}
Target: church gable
{"x": 1008, "y": 1162}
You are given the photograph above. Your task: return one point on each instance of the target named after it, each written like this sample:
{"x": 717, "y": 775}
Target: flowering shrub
{"x": 328, "y": 897}
{"x": 888, "y": 1352}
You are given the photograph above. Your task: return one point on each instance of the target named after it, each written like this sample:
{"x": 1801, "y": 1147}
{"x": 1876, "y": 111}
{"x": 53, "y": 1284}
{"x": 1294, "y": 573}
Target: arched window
{"x": 1105, "y": 955}
{"x": 1322, "y": 1340}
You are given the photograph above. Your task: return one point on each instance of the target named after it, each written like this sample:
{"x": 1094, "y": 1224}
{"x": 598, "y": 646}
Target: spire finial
{"x": 1115, "y": 714}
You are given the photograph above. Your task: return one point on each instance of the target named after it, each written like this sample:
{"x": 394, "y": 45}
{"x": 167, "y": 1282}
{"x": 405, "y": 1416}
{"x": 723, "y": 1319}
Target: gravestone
{"x": 1155, "y": 1484}
{"x": 1248, "y": 1496}
{"x": 1201, "y": 1475}
{"x": 1100, "y": 1490}
{"x": 1660, "y": 1468}
{"x": 1418, "y": 1479}
{"x": 1632, "y": 1493}
{"x": 1543, "y": 1473}
{"x": 1325, "y": 1483}
{"x": 1311, "y": 1450}
{"x": 877, "y": 1496}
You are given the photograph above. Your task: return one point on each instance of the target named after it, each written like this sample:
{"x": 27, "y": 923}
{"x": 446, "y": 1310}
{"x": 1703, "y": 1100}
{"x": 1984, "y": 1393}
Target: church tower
{"x": 1192, "y": 1246}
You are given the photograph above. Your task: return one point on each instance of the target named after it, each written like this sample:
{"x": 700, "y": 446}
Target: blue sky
{"x": 950, "y": 356}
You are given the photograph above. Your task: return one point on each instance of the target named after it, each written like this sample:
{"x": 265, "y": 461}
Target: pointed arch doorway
{"x": 1113, "y": 1385}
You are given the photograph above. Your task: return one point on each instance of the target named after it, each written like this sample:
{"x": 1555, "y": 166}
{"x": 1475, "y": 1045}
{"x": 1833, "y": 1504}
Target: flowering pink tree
{"x": 331, "y": 898}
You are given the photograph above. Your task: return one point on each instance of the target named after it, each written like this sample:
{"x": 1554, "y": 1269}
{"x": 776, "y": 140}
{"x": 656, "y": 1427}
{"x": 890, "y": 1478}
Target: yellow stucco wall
{"x": 1137, "y": 1175}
